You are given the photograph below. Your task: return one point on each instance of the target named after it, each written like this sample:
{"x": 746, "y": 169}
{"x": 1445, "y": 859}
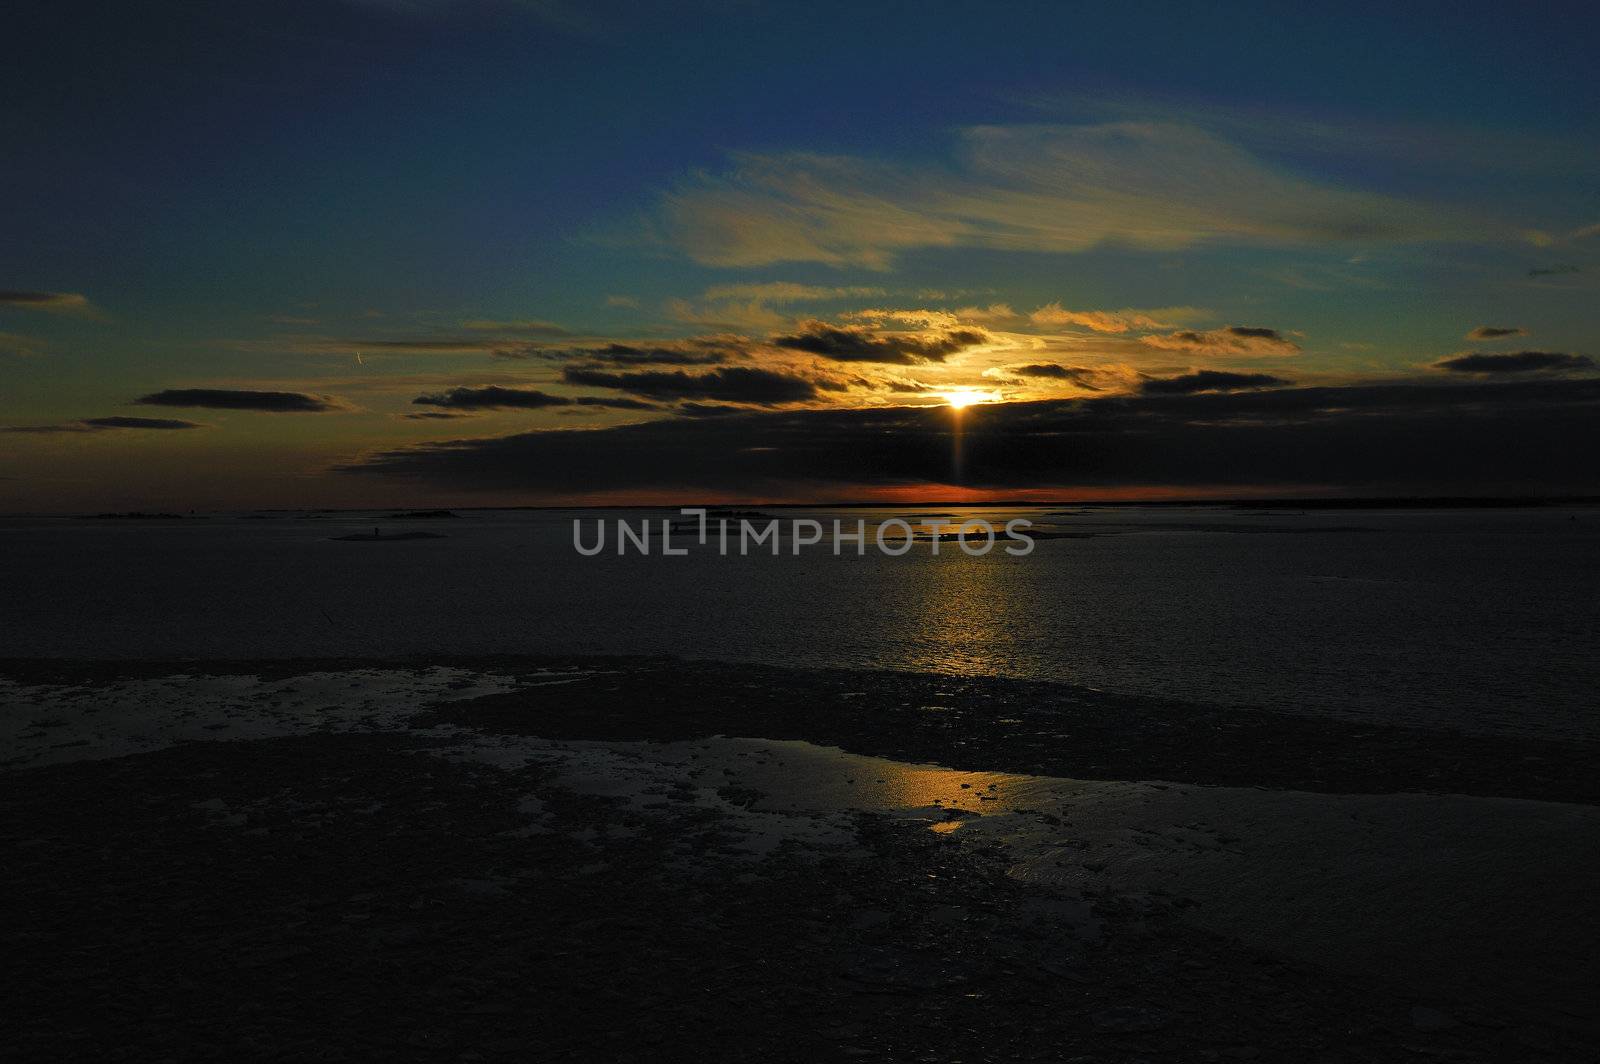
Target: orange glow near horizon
{"x": 931, "y": 493}
{"x": 960, "y": 400}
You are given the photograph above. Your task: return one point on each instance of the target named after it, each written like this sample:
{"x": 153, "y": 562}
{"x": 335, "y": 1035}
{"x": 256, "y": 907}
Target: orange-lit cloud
{"x": 1114, "y": 321}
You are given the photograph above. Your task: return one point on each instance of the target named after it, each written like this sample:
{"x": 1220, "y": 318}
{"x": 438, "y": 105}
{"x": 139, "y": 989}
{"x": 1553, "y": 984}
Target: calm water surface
{"x": 1485, "y": 620}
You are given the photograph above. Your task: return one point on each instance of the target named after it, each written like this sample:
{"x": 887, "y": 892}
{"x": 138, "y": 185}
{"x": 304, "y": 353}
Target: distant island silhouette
{"x": 385, "y": 537}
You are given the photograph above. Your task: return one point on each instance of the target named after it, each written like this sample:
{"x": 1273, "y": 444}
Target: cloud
{"x": 898, "y": 384}
{"x": 18, "y": 345}
{"x": 46, "y": 430}
{"x": 614, "y": 404}
{"x": 1244, "y": 341}
{"x": 782, "y": 292}
{"x": 749, "y": 306}
{"x": 530, "y": 326}
{"x": 138, "y": 423}
{"x": 448, "y": 346}
{"x": 701, "y": 352}
{"x": 48, "y": 302}
{"x": 994, "y": 312}
{"x": 852, "y": 343}
{"x": 526, "y": 345}
{"x": 1209, "y": 380}
{"x": 242, "y": 399}
{"x": 1082, "y": 376}
{"x": 1495, "y": 332}
{"x": 1103, "y": 321}
{"x": 622, "y": 301}
{"x": 1513, "y": 362}
{"x": 932, "y": 318}
{"x": 1043, "y": 188}
{"x": 736, "y": 384}
{"x": 433, "y": 415}
{"x": 102, "y": 424}
{"x": 709, "y": 410}
{"x": 1475, "y": 437}
{"x": 1554, "y": 271}
{"x": 494, "y": 397}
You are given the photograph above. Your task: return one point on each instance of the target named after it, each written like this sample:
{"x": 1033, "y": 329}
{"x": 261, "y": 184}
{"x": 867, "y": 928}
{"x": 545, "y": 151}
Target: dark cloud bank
{"x": 864, "y": 345}
{"x": 1209, "y": 380}
{"x": 689, "y": 353}
{"x": 1490, "y": 437}
{"x": 138, "y": 423}
{"x": 49, "y": 301}
{"x": 1514, "y": 362}
{"x": 696, "y": 351}
{"x": 493, "y": 397}
{"x": 738, "y": 384}
{"x": 236, "y": 399}
{"x": 1082, "y": 376}
{"x": 102, "y": 424}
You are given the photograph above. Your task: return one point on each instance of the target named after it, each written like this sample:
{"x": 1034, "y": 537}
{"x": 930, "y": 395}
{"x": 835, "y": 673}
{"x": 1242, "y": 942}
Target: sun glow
{"x": 962, "y": 400}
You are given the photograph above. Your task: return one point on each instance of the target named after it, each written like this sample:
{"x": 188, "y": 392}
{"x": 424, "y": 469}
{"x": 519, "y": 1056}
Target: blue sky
{"x": 247, "y": 197}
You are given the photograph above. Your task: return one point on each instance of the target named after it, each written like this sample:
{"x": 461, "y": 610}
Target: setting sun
{"x": 961, "y": 400}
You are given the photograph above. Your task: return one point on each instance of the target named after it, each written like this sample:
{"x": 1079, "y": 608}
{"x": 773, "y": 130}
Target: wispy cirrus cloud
{"x": 782, "y": 292}
{"x": 1050, "y": 317}
{"x": 48, "y": 302}
{"x": 1043, "y": 188}
{"x": 528, "y": 326}
{"x": 467, "y": 345}
{"x": 749, "y": 306}
{"x": 506, "y": 340}
{"x": 19, "y": 346}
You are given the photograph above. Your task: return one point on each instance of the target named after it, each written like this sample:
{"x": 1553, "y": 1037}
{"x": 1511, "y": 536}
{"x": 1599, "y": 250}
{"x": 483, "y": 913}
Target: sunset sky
{"x": 369, "y": 253}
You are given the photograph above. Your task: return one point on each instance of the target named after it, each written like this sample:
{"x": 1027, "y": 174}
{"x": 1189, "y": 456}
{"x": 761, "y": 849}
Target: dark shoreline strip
{"x": 977, "y": 723}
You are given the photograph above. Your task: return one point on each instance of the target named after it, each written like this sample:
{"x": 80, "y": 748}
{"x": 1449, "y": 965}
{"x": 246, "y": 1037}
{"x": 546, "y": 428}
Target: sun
{"x": 962, "y": 400}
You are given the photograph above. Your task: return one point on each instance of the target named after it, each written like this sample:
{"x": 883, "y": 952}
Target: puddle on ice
{"x": 1443, "y": 888}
